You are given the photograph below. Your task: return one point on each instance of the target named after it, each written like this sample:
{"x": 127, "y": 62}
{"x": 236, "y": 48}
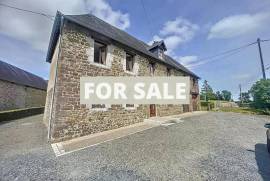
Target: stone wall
{"x": 71, "y": 119}
{"x": 14, "y": 96}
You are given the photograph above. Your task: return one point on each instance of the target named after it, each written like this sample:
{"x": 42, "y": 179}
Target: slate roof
{"x": 99, "y": 26}
{"x": 16, "y": 75}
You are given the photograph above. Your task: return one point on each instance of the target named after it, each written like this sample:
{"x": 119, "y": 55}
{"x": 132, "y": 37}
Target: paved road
{"x": 214, "y": 146}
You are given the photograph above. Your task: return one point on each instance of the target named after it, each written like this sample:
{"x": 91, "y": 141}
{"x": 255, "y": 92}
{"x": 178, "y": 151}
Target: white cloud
{"x": 103, "y": 10}
{"x": 237, "y": 25}
{"x": 181, "y": 27}
{"x": 35, "y": 30}
{"x": 176, "y": 32}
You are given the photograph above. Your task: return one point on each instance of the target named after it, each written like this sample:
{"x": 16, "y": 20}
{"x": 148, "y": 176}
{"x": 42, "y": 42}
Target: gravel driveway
{"x": 214, "y": 146}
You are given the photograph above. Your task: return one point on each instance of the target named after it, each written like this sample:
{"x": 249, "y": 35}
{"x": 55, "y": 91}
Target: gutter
{"x": 55, "y": 81}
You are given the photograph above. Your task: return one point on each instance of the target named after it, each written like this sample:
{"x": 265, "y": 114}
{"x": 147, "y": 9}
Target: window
{"x": 160, "y": 54}
{"x": 129, "y": 62}
{"x": 152, "y": 68}
{"x": 194, "y": 82}
{"x": 100, "y": 53}
{"x": 129, "y": 105}
{"x": 169, "y": 72}
{"x": 98, "y": 106}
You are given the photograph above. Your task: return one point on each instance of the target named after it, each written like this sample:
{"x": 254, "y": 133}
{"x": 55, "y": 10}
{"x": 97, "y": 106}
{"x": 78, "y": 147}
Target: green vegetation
{"x": 207, "y": 93}
{"x": 260, "y": 92}
{"x": 244, "y": 110}
{"x": 259, "y": 104}
{"x": 20, "y": 113}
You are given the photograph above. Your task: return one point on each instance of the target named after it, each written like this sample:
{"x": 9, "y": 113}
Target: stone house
{"x": 20, "y": 89}
{"x": 84, "y": 45}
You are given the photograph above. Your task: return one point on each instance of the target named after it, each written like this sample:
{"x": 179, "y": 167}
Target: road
{"x": 213, "y": 146}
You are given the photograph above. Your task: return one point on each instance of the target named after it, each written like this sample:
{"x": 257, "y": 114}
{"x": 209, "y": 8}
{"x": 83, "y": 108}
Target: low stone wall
{"x": 14, "y": 96}
{"x": 20, "y": 113}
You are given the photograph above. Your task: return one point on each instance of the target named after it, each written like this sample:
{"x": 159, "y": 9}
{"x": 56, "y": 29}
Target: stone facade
{"x": 15, "y": 96}
{"x": 74, "y": 56}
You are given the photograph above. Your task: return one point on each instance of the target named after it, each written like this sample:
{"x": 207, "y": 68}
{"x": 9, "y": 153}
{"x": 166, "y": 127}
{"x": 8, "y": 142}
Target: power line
{"x": 221, "y": 55}
{"x": 228, "y": 51}
{"x": 148, "y": 19}
{"x": 265, "y": 40}
{"x": 29, "y": 11}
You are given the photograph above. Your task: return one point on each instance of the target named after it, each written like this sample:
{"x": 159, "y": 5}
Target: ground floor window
{"x": 129, "y": 105}
{"x": 98, "y": 106}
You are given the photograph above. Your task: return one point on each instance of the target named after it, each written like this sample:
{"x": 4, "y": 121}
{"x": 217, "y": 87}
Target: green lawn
{"x": 244, "y": 110}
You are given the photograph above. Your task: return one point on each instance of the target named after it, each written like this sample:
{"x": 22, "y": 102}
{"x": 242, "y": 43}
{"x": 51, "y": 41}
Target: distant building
{"x": 83, "y": 45}
{"x": 20, "y": 89}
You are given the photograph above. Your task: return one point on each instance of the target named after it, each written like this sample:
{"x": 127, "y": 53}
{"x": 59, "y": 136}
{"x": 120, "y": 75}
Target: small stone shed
{"x": 20, "y": 89}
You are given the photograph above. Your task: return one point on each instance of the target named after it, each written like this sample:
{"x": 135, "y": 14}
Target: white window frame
{"x": 109, "y": 55}
{"x": 135, "y": 70}
{"x": 107, "y": 106}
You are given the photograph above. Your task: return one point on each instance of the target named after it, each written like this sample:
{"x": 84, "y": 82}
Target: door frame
{"x": 154, "y": 109}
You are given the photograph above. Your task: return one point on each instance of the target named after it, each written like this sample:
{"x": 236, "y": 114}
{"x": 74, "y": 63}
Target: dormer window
{"x": 158, "y": 48}
{"x": 160, "y": 54}
{"x": 100, "y": 51}
{"x": 129, "y": 62}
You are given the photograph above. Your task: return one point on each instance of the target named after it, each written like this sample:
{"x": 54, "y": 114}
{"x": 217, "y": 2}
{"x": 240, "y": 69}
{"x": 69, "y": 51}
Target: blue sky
{"x": 191, "y": 29}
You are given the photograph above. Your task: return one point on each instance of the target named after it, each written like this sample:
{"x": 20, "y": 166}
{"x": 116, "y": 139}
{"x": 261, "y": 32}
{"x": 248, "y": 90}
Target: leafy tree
{"x": 219, "y": 96}
{"x": 245, "y": 97}
{"x": 227, "y": 95}
{"x": 260, "y": 92}
{"x": 207, "y": 92}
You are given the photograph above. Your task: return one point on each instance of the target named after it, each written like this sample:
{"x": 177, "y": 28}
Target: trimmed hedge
{"x": 20, "y": 113}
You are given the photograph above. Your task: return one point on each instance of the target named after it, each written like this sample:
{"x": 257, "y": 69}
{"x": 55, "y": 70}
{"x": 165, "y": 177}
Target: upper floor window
{"x": 129, "y": 62}
{"x": 100, "y": 51}
{"x": 160, "y": 54}
{"x": 152, "y": 68}
{"x": 194, "y": 82}
{"x": 169, "y": 72}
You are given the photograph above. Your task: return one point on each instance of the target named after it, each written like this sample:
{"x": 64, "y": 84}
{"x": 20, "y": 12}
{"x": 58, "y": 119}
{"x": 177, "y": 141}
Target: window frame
{"x": 152, "y": 69}
{"x": 105, "y": 46}
{"x": 132, "y": 60}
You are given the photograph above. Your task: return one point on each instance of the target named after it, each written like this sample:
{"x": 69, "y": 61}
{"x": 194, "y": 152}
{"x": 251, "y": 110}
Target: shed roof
{"x": 97, "y": 25}
{"x": 16, "y": 75}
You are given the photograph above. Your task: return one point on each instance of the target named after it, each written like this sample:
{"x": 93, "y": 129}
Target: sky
{"x": 192, "y": 30}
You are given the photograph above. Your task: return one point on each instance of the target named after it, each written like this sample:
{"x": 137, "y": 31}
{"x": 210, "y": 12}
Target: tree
{"x": 227, "y": 95}
{"x": 219, "y": 96}
{"x": 260, "y": 92}
{"x": 245, "y": 97}
{"x": 207, "y": 92}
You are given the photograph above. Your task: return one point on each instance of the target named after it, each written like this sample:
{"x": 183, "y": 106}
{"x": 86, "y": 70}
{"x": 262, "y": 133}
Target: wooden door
{"x": 152, "y": 110}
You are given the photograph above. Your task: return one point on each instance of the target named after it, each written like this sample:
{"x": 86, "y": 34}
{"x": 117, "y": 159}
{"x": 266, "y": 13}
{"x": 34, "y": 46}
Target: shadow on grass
{"x": 263, "y": 160}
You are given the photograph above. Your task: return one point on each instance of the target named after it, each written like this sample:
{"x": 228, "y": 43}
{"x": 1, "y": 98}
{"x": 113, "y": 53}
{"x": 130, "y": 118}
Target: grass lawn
{"x": 244, "y": 110}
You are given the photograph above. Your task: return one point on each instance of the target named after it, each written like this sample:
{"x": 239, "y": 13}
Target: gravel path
{"x": 214, "y": 146}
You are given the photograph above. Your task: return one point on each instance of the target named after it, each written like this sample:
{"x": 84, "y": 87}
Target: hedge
{"x": 20, "y": 113}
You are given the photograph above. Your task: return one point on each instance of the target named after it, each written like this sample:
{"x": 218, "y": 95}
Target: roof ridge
{"x": 102, "y": 27}
{"x": 21, "y": 69}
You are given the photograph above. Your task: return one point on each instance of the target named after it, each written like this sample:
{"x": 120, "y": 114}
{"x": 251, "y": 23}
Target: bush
{"x": 205, "y": 104}
{"x": 260, "y": 92}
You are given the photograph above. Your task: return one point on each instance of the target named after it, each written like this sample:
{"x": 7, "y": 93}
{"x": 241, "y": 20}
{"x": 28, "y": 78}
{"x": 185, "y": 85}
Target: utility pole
{"x": 240, "y": 93}
{"x": 261, "y": 57}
